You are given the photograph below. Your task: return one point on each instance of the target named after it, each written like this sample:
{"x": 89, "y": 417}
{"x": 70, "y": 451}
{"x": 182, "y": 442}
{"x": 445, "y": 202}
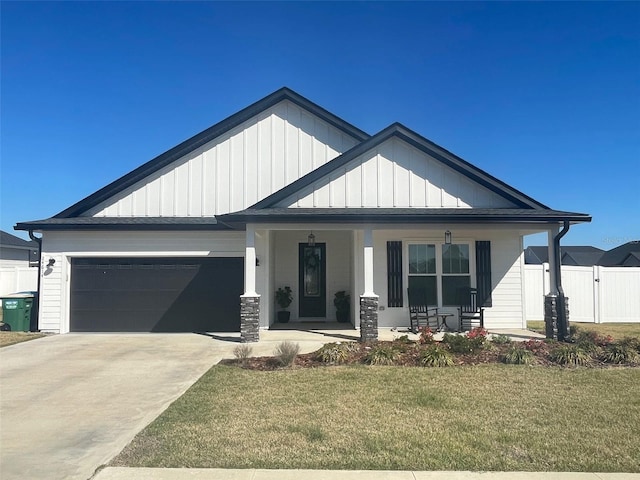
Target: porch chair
{"x": 420, "y": 314}
{"x": 471, "y": 314}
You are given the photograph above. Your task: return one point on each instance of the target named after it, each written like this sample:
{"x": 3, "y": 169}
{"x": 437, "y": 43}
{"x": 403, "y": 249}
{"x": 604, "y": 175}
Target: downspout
{"x": 33, "y": 326}
{"x": 563, "y": 321}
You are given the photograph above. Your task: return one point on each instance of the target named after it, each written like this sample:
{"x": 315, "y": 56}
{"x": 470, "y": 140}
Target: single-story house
{"x": 285, "y": 193}
{"x": 625, "y": 255}
{"x": 576, "y": 255}
{"x": 18, "y": 264}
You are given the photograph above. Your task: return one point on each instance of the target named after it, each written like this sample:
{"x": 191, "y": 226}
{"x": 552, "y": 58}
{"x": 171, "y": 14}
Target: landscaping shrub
{"x": 426, "y": 336}
{"x": 382, "y": 355}
{"x": 436, "y": 356}
{"x": 517, "y": 355}
{"x": 537, "y": 347}
{"x": 500, "y": 339}
{"x": 242, "y": 353}
{"x": 457, "y": 343}
{"x": 619, "y": 353}
{"x": 336, "y": 352}
{"x": 478, "y": 338}
{"x": 591, "y": 341}
{"x": 571, "y": 355}
{"x": 286, "y": 353}
{"x": 631, "y": 342}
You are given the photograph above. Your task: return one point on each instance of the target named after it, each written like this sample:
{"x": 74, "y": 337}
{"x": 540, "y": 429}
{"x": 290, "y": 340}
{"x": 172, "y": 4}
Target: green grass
{"x": 616, "y": 330}
{"x": 10, "y": 338}
{"x": 488, "y": 417}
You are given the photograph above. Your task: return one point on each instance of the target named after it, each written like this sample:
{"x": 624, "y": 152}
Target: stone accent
{"x": 368, "y": 319}
{"x": 551, "y": 317}
{"x": 249, "y": 319}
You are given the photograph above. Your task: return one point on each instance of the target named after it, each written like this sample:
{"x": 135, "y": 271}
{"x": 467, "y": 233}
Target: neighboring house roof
{"x": 626, "y": 255}
{"x": 570, "y": 255}
{"x": 11, "y": 241}
{"x": 205, "y": 137}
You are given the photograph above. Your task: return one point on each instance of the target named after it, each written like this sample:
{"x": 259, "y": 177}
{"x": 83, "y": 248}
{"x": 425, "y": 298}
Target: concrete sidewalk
{"x": 119, "y": 473}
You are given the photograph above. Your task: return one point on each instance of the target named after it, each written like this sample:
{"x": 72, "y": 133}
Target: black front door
{"x": 312, "y": 284}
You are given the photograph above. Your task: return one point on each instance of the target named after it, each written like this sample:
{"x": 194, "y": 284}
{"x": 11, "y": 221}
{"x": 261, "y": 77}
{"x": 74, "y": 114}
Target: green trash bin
{"x": 16, "y": 311}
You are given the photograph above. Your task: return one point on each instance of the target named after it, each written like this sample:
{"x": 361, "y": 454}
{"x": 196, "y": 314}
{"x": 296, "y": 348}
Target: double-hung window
{"x": 441, "y": 271}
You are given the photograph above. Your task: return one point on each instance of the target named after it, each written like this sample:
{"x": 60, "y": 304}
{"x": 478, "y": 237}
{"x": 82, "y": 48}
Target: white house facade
{"x": 284, "y": 193}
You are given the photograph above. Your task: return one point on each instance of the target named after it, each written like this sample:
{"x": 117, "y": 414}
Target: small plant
{"x": 336, "y": 352}
{"x": 436, "y": 356}
{"x": 382, "y": 355}
{"x": 457, "y": 343}
{"x": 284, "y": 297}
{"x": 535, "y": 346}
{"x": 242, "y": 353}
{"x": 426, "y": 336}
{"x": 477, "y": 338}
{"x": 517, "y": 355}
{"x": 500, "y": 339}
{"x": 286, "y": 353}
{"x": 571, "y": 355}
{"x": 619, "y": 354}
{"x": 403, "y": 339}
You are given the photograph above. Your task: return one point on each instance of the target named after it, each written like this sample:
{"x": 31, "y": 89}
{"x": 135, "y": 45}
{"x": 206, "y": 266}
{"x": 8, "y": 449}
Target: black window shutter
{"x": 483, "y": 272}
{"x": 394, "y": 274}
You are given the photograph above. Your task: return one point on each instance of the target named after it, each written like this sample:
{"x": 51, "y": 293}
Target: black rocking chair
{"x": 420, "y": 314}
{"x": 471, "y": 314}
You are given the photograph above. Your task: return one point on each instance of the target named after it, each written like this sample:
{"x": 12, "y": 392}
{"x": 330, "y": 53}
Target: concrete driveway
{"x": 69, "y": 403}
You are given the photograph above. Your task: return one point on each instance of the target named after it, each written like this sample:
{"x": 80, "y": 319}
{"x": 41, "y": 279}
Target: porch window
{"x": 422, "y": 271}
{"x": 439, "y": 272}
{"x": 455, "y": 273}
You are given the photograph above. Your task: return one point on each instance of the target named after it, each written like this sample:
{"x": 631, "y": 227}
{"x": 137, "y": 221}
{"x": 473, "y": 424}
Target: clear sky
{"x": 544, "y": 96}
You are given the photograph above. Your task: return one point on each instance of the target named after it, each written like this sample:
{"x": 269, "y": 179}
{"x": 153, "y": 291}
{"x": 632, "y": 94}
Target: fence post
{"x": 597, "y": 318}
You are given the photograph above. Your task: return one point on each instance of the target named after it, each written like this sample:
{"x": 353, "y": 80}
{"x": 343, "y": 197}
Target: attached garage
{"x": 156, "y": 294}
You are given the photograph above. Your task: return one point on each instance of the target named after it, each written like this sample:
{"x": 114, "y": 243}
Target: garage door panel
{"x": 156, "y": 294}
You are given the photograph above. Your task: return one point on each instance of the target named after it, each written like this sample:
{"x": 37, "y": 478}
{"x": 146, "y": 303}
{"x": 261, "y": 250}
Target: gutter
{"x": 563, "y": 321}
{"x": 38, "y": 240}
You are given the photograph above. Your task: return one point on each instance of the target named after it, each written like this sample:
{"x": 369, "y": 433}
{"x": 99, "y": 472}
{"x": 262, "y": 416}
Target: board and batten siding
{"x": 236, "y": 170}
{"x": 63, "y": 246}
{"x": 506, "y": 268}
{"x": 395, "y": 174}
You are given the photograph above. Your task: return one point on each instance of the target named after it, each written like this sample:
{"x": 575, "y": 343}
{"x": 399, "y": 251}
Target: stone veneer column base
{"x": 249, "y": 319}
{"x": 551, "y": 315}
{"x": 368, "y": 319}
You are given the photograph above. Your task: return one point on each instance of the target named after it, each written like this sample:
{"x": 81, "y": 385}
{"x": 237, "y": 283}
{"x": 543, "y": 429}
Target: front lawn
{"x": 485, "y": 417}
{"x": 616, "y": 330}
{"x": 10, "y": 338}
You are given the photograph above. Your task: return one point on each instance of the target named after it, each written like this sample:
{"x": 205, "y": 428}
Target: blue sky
{"x": 544, "y": 96}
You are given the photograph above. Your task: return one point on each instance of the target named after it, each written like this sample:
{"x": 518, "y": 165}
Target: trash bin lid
{"x": 19, "y": 295}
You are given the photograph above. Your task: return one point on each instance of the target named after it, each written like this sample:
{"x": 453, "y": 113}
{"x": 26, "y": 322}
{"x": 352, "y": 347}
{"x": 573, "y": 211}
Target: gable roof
{"x": 581, "y": 255}
{"x": 622, "y": 255}
{"x": 401, "y": 132}
{"x": 11, "y": 241}
{"x": 205, "y": 137}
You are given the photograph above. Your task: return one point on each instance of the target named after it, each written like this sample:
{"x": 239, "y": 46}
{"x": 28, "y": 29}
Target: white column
{"x": 250, "y": 262}
{"x": 368, "y": 263}
{"x": 553, "y": 282}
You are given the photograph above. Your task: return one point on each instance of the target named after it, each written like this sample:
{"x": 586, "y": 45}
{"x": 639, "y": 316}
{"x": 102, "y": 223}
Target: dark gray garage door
{"x": 156, "y": 294}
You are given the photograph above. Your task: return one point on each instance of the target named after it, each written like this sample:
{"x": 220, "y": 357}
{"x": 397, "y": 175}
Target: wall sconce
{"x": 311, "y": 240}
{"x": 52, "y": 261}
{"x": 447, "y": 237}
{"x": 257, "y": 262}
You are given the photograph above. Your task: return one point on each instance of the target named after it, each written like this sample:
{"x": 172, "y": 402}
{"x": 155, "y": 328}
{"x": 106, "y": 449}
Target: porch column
{"x": 250, "y": 301}
{"x": 368, "y": 300}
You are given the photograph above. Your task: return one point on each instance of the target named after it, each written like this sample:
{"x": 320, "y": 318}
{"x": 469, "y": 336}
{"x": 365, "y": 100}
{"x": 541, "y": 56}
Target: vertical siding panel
{"x": 334, "y": 148}
{"x": 236, "y": 172}
{"x": 320, "y": 140}
{"x": 434, "y": 190}
{"x": 370, "y": 181}
{"x": 292, "y": 137}
{"x": 354, "y": 185}
{"x": 338, "y": 190}
{"x": 252, "y": 166}
{"x": 417, "y": 176}
{"x": 195, "y": 186}
{"x": 125, "y": 206}
{"x": 305, "y": 145}
{"x": 386, "y": 180}
{"x": 450, "y": 189}
{"x": 223, "y": 178}
{"x": 403, "y": 187}
{"x": 209, "y": 182}
{"x": 264, "y": 160}
{"x": 181, "y": 190}
{"x": 153, "y": 198}
{"x": 279, "y": 152}
{"x": 321, "y": 197}
{"x": 168, "y": 196}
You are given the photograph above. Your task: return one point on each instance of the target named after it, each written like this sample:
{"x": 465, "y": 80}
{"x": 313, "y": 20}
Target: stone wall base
{"x": 368, "y": 319}
{"x": 552, "y": 327}
{"x": 249, "y": 319}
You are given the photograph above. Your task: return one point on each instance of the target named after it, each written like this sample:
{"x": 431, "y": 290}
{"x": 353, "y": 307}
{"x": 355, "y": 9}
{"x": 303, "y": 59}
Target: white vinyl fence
{"x": 596, "y": 294}
{"x": 18, "y": 279}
